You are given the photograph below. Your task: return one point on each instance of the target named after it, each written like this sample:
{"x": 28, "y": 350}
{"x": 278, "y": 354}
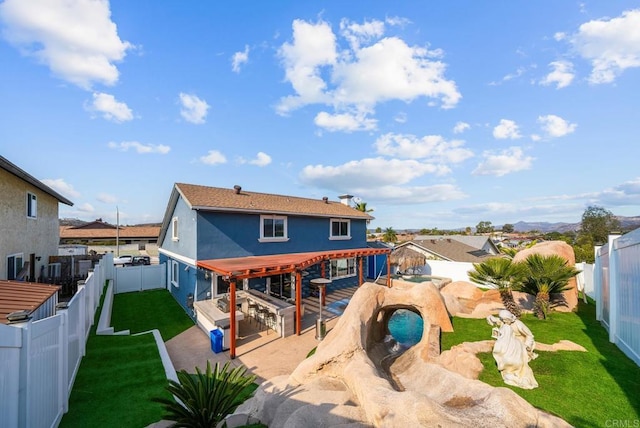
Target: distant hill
{"x": 626, "y": 224}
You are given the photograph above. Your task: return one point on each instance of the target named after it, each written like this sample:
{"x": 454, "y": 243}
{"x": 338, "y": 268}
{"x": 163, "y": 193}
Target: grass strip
{"x": 147, "y": 310}
{"x": 593, "y": 389}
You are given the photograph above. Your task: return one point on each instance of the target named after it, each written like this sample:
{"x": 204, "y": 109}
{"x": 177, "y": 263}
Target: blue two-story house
{"x": 215, "y": 241}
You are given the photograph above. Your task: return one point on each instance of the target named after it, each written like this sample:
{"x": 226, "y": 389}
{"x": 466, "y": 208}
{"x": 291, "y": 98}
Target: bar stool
{"x": 263, "y": 313}
{"x": 252, "y": 310}
{"x": 271, "y": 321}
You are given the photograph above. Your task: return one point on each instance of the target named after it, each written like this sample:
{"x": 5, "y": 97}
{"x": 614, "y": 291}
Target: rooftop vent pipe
{"x": 325, "y": 199}
{"x": 237, "y": 189}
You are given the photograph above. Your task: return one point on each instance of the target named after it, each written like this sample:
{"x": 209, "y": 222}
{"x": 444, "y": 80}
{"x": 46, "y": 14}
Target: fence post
{"x": 63, "y": 370}
{"x": 25, "y": 363}
{"x": 613, "y": 289}
{"x": 598, "y": 272}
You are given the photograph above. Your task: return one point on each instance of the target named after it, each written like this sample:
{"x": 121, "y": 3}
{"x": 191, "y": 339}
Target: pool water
{"x": 406, "y": 327}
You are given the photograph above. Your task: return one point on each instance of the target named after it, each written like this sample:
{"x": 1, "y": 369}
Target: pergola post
{"x": 298, "y": 303}
{"x": 232, "y": 318}
{"x": 389, "y": 270}
{"x": 360, "y": 271}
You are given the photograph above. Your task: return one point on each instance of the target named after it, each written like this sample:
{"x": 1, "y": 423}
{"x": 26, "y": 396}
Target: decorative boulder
{"x": 359, "y": 377}
{"x": 568, "y": 299}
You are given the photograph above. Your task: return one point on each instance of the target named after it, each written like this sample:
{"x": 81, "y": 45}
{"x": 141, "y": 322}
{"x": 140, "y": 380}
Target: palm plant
{"x": 205, "y": 399}
{"x": 545, "y": 275}
{"x": 362, "y": 206}
{"x": 390, "y": 235}
{"x": 499, "y": 273}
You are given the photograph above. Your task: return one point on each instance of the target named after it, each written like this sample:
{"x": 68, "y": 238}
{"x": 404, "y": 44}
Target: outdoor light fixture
{"x": 19, "y": 316}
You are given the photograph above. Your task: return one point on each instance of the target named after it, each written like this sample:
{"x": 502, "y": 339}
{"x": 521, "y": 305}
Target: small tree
{"x": 362, "y": 206}
{"x": 543, "y": 276}
{"x": 484, "y": 227}
{"x": 206, "y": 398}
{"x": 502, "y": 274}
{"x": 508, "y": 228}
{"x": 390, "y": 235}
{"x": 598, "y": 223}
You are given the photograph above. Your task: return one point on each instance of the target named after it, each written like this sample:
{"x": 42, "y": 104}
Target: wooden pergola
{"x": 240, "y": 268}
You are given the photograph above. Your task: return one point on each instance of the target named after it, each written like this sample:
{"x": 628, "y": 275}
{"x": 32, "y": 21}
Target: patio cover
{"x": 260, "y": 266}
{"x": 238, "y": 268}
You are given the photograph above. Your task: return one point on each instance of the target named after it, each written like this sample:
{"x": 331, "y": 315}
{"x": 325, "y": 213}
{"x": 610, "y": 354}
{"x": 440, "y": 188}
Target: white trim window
{"x": 14, "y": 265}
{"x": 273, "y": 228}
{"x": 343, "y": 268}
{"x": 175, "y": 273}
{"x": 32, "y": 205}
{"x": 340, "y": 229}
{"x": 174, "y": 229}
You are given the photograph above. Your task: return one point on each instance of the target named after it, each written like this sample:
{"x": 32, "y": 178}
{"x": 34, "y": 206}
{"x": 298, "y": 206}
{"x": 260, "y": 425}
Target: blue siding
{"x": 225, "y": 235}
{"x": 186, "y": 243}
{"x": 186, "y": 281}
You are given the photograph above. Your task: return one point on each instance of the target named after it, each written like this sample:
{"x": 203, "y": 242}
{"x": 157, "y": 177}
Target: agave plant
{"x": 205, "y": 399}
{"x": 545, "y": 275}
{"x": 502, "y": 274}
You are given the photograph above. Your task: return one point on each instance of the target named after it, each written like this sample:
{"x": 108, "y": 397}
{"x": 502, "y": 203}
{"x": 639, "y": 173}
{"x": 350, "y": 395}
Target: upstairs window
{"x": 273, "y": 228}
{"x": 174, "y": 229}
{"x": 340, "y": 229}
{"x": 175, "y": 273}
{"x": 32, "y": 205}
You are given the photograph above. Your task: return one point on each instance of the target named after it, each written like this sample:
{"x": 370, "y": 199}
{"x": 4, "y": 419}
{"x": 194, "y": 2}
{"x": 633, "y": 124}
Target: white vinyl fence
{"x": 39, "y": 359}
{"x": 617, "y": 290}
{"x": 140, "y": 278}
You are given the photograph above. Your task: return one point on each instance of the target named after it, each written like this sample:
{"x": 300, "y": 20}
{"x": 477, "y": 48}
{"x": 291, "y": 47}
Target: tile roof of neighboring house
{"x": 17, "y": 296}
{"x": 20, "y": 173}
{"x": 475, "y": 241}
{"x": 70, "y": 232}
{"x": 452, "y": 250}
{"x": 222, "y": 199}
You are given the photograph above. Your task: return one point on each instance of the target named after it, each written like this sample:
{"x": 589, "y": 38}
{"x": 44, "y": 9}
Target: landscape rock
{"x": 358, "y": 376}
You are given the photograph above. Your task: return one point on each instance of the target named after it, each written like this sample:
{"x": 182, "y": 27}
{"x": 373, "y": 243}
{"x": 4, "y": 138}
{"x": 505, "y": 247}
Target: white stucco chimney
{"x": 346, "y": 199}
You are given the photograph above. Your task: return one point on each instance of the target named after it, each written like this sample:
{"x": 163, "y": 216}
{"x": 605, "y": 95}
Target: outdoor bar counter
{"x": 210, "y": 317}
{"x": 285, "y": 312}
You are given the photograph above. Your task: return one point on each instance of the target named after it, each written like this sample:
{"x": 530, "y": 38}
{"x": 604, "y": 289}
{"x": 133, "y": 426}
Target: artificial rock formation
{"x": 357, "y": 378}
{"x": 567, "y": 301}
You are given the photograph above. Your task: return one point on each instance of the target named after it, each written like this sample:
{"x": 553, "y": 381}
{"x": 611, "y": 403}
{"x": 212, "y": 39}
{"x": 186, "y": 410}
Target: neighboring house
{"x": 212, "y": 238}
{"x": 101, "y": 233}
{"x": 29, "y": 232}
{"x": 36, "y": 301}
{"x": 446, "y": 249}
{"x": 479, "y": 242}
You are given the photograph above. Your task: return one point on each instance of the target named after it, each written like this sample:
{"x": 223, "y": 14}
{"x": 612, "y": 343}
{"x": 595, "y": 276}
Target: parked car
{"x": 141, "y": 260}
{"x": 123, "y": 260}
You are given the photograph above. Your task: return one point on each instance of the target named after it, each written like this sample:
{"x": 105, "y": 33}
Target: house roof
{"x": 260, "y": 266}
{"x": 23, "y": 175}
{"x": 216, "y": 199}
{"x": 451, "y": 250}
{"x": 474, "y": 241}
{"x": 125, "y": 232}
{"x": 17, "y": 296}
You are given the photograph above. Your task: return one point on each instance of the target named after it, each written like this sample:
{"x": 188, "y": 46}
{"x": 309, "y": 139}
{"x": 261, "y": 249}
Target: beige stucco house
{"x": 29, "y": 231}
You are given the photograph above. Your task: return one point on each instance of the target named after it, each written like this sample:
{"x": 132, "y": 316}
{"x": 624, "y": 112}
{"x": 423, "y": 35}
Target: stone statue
{"x": 513, "y": 350}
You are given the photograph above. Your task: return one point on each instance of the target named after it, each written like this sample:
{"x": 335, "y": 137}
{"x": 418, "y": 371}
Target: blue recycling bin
{"x": 216, "y": 341}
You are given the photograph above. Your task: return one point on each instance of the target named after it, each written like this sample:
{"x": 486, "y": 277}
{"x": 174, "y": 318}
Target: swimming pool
{"x": 406, "y": 327}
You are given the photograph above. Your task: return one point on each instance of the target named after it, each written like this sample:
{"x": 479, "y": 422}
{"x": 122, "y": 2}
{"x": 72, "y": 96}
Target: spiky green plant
{"x": 545, "y": 275}
{"x": 205, "y": 399}
{"x": 502, "y": 274}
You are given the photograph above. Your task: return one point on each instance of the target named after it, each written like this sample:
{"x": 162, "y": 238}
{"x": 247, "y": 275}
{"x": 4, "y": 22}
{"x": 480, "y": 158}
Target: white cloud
{"x": 345, "y": 122}
{"x": 562, "y": 74}
{"x": 124, "y": 146}
{"x": 431, "y": 147}
{"x": 110, "y": 108}
{"x": 611, "y": 45}
{"x": 503, "y": 163}
{"x": 559, "y": 36}
{"x": 262, "y": 159}
{"x": 62, "y": 187}
{"x": 76, "y": 39}
{"x": 460, "y": 127}
{"x": 86, "y": 208}
{"x": 506, "y": 129}
{"x": 368, "y": 173}
{"x": 555, "y": 126}
{"x": 367, "y": 72}
{"x": 194, "y": 110}
{"x": 627, "y": 193}
{"x": 411, "y": 195}
{"x": 106, "y": 198}
{"x": 239, "y": 58}
{"x": 213, "y": 157}
{"x": 401, "y": 117}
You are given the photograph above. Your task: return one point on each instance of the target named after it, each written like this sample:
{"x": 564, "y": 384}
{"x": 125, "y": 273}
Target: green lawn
{"x": 120, "y": 374}
{"x": 591, "y": 389}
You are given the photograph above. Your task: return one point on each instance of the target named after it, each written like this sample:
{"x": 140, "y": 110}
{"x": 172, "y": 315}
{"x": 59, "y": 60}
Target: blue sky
{"x": 437, "y": 114}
